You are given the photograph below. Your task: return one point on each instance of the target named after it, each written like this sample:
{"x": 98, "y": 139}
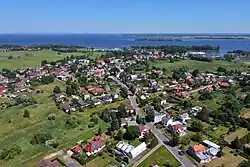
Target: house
{"x": 67, "y": 108}
{"x": 224, "y": 84}
{"x": 143, "y": 130}
{"x": 165, "y": 119}
{"x": 203, "y": 154}
{"x": 107, "y": 99}
{"x": 76, "y": 149}
{"x": 183, "y": 95}
{"x": 164, "y": 101}
{"x": 97, "y": 91}
{"x": 184, "y": 117}
{"x": 152, "y": 83}
{"x": 138, "y": 150}
{"x": 2, "y": 91}
{"x": 60, "y": 97}
{"x": 95, "y": 146}
{"x": 129, "y": 150}
{"x": 82, "y": 104}
{"x": 158, "y": 116}
{"x": 96, "y": 102}
{"x": 177, "y": 128}
{"x": 130, "y": 109}
{"x": 49, "y": 163}
{"x": 114, "y": 95}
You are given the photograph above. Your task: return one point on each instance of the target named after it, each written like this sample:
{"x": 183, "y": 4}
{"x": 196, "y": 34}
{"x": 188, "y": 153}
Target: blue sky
{"x": 125, "y": 16}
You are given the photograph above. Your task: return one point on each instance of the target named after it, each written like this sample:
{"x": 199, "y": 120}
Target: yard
{"x": 101, "y": 161}
{"x": 201, "y": 65}
{"x": 14, "y": 128}
{"x": 160, "y": 157}
{"x": 228, "y": 160}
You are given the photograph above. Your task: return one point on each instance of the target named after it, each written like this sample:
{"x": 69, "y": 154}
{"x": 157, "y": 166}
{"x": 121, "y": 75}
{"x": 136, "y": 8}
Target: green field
{"x": 16, "y": 129}
{"x": 22, "y": 59}
{"x": 201, "y": 65}
{"x": 160, "y": 157}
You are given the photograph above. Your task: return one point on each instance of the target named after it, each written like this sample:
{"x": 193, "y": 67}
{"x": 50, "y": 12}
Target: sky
{"x": 125, "y": 16}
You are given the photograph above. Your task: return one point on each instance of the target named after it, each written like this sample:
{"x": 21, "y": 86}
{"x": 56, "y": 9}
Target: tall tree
{"x": 203, "y": 115}
{"x": 57, "y": 89}
{"x": 26, "y": 114}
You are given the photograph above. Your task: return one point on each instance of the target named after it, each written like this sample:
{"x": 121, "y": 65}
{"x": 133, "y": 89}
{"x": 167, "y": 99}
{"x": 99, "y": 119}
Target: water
{"x": 102, "y": 41}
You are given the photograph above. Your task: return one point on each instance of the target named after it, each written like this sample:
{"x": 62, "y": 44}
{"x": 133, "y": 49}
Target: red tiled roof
{"x": 76, "y": 148}
{"x": 98, "y": 90}
{"x": 129, "y": 107}
{"x": 224, "y": 84}
{"x": 143, "y": 128}
{"x": 177, "y": 127}
{"x": 93, "y": 146}
{"x": 2, "y": 90}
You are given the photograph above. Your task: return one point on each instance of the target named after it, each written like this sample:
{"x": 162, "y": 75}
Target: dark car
{"x": 180, "y": 152}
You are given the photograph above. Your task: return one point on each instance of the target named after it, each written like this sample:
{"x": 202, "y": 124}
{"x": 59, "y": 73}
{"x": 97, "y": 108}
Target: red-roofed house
{"x": 129, "y": 109}
{"x": 182, "y": 94}
{"x": 224, "y": 84}
{"x": 2, "y": 91}
{"x": 143, "y": 130}
{"x": 101, "y": 62}
{"x": 176, "y": 127}
{"x": 95, "y": 146}
{"x": 210, "y": 89}
{"x": 97, "y": 91}
{"x": 76, "y": 149}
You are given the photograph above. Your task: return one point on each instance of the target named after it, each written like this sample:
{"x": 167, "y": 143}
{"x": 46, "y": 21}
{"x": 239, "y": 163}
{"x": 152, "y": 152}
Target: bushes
{"x": 40, "y": 138}
{"x": 72, "y": 122}
{"x": 10, "y": 151}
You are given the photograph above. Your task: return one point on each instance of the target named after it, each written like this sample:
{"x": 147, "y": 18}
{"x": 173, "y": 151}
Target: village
{"x": 143, "y": 108}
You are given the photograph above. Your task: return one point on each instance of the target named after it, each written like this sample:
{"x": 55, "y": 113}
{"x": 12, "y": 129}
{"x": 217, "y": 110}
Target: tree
{"x": 74, "y": 101}
{"x": 150, "y": 116}
{"x": 196, "y": 126}
{"x": 245, "y": 163}
{"x": 105, "y": 116}
{"x": 196, "y": 72}
{"x": 119, "y": 135}
{"x": 81, "y": 158}
{"x": 26, "y": 114}
{"x": 236, "y": 144}
{"x": 100, "y": 131}
{"x": 124, "y": 92}
{"x": 122, "y": 111}
{"x": 57, "y": 89}
{"x": 95, "y": 119}
{"x": 203, "y": 115}
{"x": 69, "y": 90}
{"x": 196, "y": 138}
{"x": 175, "y": 139}
{"x": 41, "y": 137}
{"x": 205, "y": 95}
{"x": 247, "y": 100}
{"x": 131, "y": 133}
{"x": 10, "y": 57}
{"x": 115, "y": 125}
{"x": 133, "y": 88}
{"x": 72, "y": 122}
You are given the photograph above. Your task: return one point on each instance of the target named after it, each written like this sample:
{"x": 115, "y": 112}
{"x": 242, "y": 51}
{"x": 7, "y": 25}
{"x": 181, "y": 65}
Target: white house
{"x": 138, "y": 150}
{"x": 129, "y": 150}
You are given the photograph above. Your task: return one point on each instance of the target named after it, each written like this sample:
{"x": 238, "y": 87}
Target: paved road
{"x": 185, "y": 162}
{"x": 139, "y": 161}
{"x": 201, "y": 88}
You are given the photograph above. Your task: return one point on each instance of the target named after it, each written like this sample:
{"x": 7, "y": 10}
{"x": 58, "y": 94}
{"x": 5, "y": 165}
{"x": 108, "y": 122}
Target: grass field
{"x": 22, "y": 59}
{"x": 228, "y": 160}
{"x": 238, "y": 133}
{"x": 160, "y": 157}
{"x": 16, "y": 129}
{"x": 201, "y": 65}
{"x": 101, "y": 161}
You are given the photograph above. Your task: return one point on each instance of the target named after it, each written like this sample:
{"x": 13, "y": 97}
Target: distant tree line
{"x": 178, "y": 49}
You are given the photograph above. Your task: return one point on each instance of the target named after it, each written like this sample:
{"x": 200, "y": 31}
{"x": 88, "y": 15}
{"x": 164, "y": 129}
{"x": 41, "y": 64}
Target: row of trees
{"x": 178, "y": 49}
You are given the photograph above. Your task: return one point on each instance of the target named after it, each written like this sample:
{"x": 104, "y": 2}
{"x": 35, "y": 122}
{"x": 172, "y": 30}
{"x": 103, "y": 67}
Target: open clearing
{"x": 160, "y": 157}
{"x": 25, "y": 59}
{"x": 238, "y": 133}
{"x": 16, "y": 129}
{"x": 228, "y": 160}
{"x": 201, "y": 65}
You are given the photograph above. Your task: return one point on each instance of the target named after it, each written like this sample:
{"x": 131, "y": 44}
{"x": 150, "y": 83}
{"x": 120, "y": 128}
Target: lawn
{"x": 238, "y": 133}
{"x": 160, "y": 157}
{"x": 101, "y": 161}
{"x": 228, "y": 160}
{"x": 16, "y": 129}
{"x": 201, "y": 65}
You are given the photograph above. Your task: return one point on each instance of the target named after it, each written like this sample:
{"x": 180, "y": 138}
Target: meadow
{"x": 31, "y": 59}
{"x": 15, "y": 129}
